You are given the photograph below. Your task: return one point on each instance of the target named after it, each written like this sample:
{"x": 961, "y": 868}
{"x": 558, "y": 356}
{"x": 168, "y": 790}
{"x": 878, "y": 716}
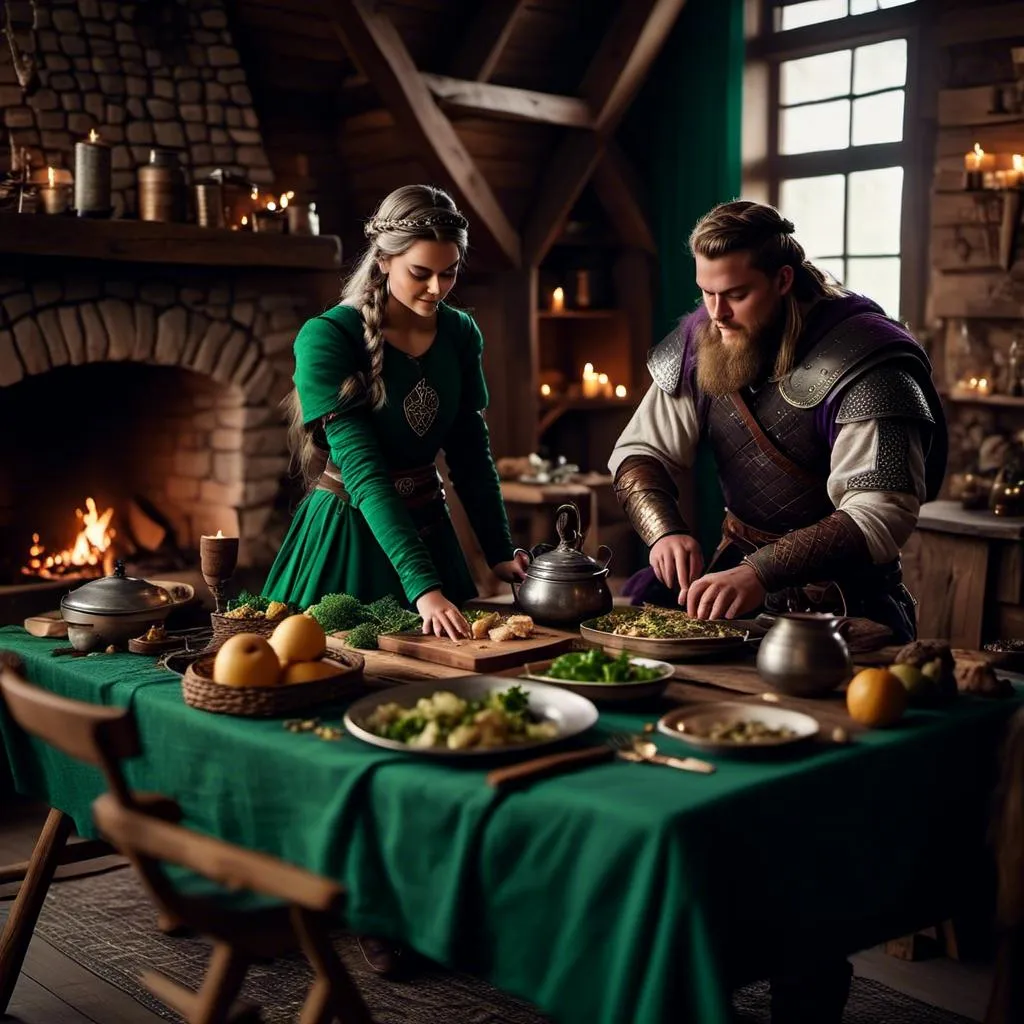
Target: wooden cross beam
{"x": 376, "y": 48}
{"x": 506, "y": 102}
{"x": 487, "y": 38}
{"x": 619, "y": 193}
{"x": 623, "y": 60}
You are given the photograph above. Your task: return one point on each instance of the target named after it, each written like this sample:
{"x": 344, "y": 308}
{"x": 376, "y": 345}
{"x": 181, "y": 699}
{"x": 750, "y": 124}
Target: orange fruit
{"x": 875, "y": 697}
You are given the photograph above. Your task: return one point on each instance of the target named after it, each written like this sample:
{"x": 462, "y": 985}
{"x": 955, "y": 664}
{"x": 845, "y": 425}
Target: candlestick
{"x": 55, "y": 198}
{"x": 92, "y": 177}
{"x": 218, "y": 557}
{"x": 558, "y": 301}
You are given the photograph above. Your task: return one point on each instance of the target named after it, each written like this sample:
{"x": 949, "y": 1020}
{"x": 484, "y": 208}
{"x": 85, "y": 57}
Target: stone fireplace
{"x": 148, "y": 386}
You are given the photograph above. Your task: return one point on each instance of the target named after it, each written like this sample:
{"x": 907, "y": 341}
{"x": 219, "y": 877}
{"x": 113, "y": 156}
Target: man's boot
{"x": 815, "y": 994}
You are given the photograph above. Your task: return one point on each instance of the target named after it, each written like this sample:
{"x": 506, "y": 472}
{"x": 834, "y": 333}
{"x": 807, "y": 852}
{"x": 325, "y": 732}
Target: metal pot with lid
{"x": 113, "y": 609}
{"x": 563, "y": 586}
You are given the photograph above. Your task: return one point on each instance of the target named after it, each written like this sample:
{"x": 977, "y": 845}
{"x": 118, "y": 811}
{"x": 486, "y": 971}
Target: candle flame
{"x": 49, "y": 176}
{"x": 1018, "y": 162}
{"x": 94, "y": 135}
{"x": 284, "y": 199}
{"x": 271, "y": 206}
{"x": 545, "y": 390}
{"x": 245, "y": 220}
{"x": 588, "y": 369}
{"x": 602, "y": 378}
{"x": 620, "y": 390}
{"x": 978, "y": 152}
{"x": 220, "y": 533}
{"x": 255, "y": 193}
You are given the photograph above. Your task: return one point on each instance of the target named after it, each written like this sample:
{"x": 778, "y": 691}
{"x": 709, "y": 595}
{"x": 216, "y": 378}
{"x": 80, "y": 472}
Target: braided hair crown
{"x": 419, "y": 210}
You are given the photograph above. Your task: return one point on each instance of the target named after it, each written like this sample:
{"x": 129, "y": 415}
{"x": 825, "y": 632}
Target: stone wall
{"x": 161, "y": 73}
{"x": 204, "y": 441}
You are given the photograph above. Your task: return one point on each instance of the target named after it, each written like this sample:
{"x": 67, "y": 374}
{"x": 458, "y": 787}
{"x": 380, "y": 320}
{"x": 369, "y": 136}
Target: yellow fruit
{"x": 298, "y": 638}
{"x": 246, "y": 659}
{"x": 307, "y": 671}
{"x": 875, "y": 697}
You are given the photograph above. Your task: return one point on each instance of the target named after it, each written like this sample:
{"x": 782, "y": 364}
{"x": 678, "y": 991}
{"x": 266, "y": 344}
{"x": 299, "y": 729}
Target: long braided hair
{"x": 410, "y": 214}
{"x": 744, "y": 226}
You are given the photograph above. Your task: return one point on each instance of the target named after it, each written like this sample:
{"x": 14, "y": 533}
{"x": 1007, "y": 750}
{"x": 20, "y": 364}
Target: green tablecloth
{"x": 618, "y": 893}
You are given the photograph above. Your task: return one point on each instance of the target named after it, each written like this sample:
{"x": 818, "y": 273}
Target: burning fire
{"x": 92, "y": 547}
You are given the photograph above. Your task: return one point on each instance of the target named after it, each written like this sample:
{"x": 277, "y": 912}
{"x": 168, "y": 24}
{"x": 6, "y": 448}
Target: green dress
{"x": 374, "y": 544}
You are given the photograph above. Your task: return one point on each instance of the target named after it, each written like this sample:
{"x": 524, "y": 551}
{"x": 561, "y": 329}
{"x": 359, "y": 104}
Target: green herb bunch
{"x": 365, "y": 622}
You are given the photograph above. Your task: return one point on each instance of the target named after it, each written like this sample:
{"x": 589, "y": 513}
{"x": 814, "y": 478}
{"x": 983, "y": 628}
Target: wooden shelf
{"x": 138, "y": 241}
{"x": 579, "y": 314}
{"x": 553, "y": 409}
{"x": 1000, "y": 401}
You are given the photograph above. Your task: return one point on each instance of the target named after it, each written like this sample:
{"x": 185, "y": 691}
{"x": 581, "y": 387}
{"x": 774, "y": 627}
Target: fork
{"x": 639, "y": 750}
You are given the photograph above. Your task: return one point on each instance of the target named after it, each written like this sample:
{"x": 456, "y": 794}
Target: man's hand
{"x": 677, "y": 561}
{"x": 724, "y": 595}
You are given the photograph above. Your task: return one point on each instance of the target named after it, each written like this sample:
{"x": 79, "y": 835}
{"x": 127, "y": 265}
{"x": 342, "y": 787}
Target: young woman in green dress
{"x": 383, "y": 381}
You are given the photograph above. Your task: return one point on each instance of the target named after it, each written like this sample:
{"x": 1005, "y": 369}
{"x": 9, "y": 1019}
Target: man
{"x": 825, "y": 428}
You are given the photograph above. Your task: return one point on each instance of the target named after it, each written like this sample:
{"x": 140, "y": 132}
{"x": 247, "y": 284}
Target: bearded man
{"x": 825, "y": 427}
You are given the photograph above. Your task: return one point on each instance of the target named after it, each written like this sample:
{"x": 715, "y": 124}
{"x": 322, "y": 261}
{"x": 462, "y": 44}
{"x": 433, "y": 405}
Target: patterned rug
{"x": 107, "y": 924}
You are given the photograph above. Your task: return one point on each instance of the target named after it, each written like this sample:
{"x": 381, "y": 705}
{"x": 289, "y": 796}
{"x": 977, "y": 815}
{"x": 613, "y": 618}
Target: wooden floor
{"x": 55, "y": 990}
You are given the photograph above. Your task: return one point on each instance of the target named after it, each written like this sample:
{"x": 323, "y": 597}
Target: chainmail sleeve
{"x": 818, "y": 552}
{"x": 648, "y": 496}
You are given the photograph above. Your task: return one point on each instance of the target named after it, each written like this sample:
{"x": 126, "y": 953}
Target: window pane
{"x": 811, "y": 13}
{"x": 880, "y": 66}
{"x": 877, "y": 118}
{"x": 878, "y": 279}
{"x": 832, "y": 268}
{"x": 816, "y": 207}
{"x": 815, "y": 78}
{"x": 873, "y": 217}
{"x": 815, "y": 127}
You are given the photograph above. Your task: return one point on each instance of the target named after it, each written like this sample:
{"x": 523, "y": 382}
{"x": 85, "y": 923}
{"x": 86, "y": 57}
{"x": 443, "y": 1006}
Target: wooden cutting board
{"x": 481, "y": 656}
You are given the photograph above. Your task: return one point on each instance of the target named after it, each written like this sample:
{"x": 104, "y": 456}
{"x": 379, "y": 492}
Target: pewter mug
{"x": 804, "y": 655}
{"x": 563, "y": 586}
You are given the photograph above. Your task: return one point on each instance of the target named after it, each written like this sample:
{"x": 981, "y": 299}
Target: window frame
{"x": 764, "y": 166}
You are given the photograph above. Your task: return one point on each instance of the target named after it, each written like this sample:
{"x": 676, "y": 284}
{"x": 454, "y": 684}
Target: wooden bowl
{"x": 200, "y": 691}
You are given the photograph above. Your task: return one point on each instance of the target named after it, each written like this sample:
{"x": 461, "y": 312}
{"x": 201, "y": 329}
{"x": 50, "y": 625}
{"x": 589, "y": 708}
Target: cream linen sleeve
{"x": 663, "y": 426}
{"x": 877, "y": 478}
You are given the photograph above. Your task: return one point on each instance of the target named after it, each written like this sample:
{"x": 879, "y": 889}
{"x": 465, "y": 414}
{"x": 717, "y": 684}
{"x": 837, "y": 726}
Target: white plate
{"x": 572, "y": 713}
{"x": 692, "y": 725}
{"x": 636, "y": 689}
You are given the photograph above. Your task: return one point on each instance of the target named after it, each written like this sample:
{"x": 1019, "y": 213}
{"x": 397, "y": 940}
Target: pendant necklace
{"x": 422, "y": 402}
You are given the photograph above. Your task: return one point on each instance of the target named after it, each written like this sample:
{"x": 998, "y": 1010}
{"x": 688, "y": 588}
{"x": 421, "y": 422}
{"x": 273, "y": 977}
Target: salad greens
{"x": 446, "y": 720}
{"x": 594, "y": 666}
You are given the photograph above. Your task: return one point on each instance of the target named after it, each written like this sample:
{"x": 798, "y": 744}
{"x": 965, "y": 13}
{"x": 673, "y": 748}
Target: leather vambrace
{"x": 831, "y": 547}
{"x": 648, "y": 496}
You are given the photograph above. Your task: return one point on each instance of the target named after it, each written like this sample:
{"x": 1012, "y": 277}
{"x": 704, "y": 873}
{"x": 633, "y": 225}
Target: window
{"x": 836, "y": 152}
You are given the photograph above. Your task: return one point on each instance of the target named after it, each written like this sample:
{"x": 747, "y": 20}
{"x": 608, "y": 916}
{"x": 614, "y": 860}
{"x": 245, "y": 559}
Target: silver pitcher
{"x": 563, "y": 586}
{"x": 804, "y": 655}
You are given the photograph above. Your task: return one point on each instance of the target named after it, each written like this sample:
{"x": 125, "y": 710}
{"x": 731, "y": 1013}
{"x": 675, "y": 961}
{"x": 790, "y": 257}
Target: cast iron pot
{"x": 113, "y": 609}
{"x": 563, "y": 586}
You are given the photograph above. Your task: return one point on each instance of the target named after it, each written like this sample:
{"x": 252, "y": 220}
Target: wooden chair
{"x": 144, "y": 827}
{"x": 1006, "y": 1002}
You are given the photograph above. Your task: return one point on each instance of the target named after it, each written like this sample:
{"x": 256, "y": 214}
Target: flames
{"x": 91, "y": 552}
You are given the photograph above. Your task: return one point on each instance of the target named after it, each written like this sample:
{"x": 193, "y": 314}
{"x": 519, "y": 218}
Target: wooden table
{"x": 966, "y": 570}
{"x": 537, "y": 503}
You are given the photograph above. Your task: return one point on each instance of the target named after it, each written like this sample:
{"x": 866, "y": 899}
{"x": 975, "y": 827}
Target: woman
{"x": 382, "y": 382}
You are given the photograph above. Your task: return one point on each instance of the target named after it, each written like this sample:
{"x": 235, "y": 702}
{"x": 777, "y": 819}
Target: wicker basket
{"x": 200, "y": 691}
{"x": 223, "y": 627}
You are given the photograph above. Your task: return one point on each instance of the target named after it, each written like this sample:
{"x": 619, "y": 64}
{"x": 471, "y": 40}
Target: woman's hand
{"x": 514, "y": 570}
{"x": 440, "y": 616}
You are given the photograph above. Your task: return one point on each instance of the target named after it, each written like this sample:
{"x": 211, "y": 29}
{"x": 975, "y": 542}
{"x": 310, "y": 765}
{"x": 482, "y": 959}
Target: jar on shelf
{"x": 162, "y": 187}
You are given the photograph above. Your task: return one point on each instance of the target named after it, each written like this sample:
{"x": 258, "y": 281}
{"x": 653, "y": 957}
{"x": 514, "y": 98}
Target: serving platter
{"x": 692, "y": 725}
{"x": 607, "y": 693}
{"x": 572, "y": 713}
{"x": 674, "y": 649}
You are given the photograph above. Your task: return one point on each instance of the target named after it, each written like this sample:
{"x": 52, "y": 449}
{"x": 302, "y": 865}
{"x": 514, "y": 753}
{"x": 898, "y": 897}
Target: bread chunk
{"x": 501, "y": 633}
{"x": 486, "y": 622}
{"x": 521, "y": 625}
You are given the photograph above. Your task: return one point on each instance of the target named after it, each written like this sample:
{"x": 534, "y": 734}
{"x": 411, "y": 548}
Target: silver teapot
{"x": 804, "y": 654}
{"x": 563, "y": 586}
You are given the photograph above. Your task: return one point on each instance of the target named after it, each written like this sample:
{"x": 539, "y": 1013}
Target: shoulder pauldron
{"x": 884, "y": 393}
{"x": 665, "y": 361}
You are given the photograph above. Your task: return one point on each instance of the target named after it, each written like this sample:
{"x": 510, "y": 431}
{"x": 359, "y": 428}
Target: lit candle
{"x": 558, "y": 301}
{"x": 983, "y": 386}
{"x": 604, "y": 385}
{"x": 92, "y": 177}
{"x": 545, "y": 390}
{"x": 218, "y": 557}
{"x": 591, "y": 385}
{"x": 55, "y": 198}
{"x": 620, "y": 391}
{"x": 1016, "y": 173}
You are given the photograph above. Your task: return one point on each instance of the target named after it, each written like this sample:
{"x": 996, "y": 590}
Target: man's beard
{"x": 723, "y": 368}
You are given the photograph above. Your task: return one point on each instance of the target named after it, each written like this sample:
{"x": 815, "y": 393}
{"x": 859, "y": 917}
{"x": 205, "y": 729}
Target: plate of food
{"x": 739, "y": 729}
{"x": 666, "y": 634}
{"x": 602, "y": 677}
{"x": 469, "y": 717}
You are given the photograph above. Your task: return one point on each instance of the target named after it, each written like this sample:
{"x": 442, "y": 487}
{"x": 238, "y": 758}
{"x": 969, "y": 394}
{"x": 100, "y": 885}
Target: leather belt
{"x": 417, "y": 487}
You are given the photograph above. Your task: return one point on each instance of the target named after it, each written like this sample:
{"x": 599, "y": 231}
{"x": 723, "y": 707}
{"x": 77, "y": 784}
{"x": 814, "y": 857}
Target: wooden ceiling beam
{"x": 633, "y": 40}
{"x": 486, "y": 39}
{"x": 374, "y": 45}
{"x": 503, "y": 101}
{"x": 617, "y": 188}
